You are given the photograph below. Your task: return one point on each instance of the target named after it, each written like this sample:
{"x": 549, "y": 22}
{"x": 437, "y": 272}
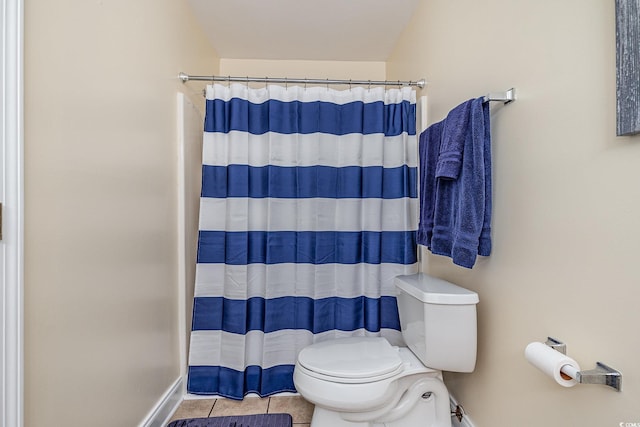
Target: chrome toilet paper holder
{"x": 601, "y": 374}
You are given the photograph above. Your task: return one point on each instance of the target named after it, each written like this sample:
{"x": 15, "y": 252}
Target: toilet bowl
{"x": 367, "y": 396}
{"x": 367, "y": 382}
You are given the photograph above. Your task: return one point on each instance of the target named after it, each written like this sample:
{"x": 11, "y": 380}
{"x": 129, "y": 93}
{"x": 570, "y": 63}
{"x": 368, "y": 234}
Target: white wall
{"x": 189, "y": 188}
{"x": 566, "y": 201}
{"x": 101, "y": 311}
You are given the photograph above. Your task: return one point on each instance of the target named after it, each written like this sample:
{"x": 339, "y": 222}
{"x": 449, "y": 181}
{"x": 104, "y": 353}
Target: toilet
{"x": 367, "y": 382}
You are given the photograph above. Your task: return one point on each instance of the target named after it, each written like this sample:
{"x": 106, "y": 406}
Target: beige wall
{"x": 566, "y": 201}
{"x": 100, "y": 261}
{"x": 101, "y": 327}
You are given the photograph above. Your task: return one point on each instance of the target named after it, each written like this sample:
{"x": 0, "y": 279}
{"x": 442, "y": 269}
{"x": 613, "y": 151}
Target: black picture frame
{"x": 628, "y": 67}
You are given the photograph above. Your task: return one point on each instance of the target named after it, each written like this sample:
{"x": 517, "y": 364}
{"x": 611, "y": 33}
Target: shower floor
{"x": 300, "y": 409}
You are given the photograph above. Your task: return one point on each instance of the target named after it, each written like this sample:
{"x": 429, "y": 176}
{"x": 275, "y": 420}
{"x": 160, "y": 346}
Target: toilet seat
{"x": 353, "y": 360}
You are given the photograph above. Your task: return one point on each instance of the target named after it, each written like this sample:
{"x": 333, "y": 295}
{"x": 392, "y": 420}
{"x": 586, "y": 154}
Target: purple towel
{"x": 261, "y": 420}
{"x": 455, "y": 168}
{"x": 429, "y": 149}
{"x": 454, "y": 133}
{"x": 484, "y": 241}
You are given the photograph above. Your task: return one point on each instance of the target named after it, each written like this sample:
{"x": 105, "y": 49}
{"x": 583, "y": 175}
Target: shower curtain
{"x": 308, "y": 211}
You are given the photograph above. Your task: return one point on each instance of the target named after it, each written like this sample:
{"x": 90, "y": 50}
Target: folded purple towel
{"x": 454, "y": 132}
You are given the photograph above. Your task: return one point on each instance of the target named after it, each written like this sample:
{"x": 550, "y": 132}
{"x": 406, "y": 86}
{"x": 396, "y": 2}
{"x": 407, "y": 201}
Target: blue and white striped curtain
{"x": 308, "y": 211}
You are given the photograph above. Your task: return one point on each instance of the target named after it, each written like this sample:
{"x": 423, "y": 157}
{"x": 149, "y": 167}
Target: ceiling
{"x": 337, "y": 30}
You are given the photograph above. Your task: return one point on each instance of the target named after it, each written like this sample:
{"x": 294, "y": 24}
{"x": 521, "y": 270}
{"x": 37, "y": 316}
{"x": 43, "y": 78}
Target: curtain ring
{"x": 228, "y": 81}
{"x": 327, "y": 84}
{"x": 350, "y": 84}
{"x": 286, "y": 83}
{"x": 305, "y": 84}
{"x": 369, "y": 88}
{"x": 247, "y": 82}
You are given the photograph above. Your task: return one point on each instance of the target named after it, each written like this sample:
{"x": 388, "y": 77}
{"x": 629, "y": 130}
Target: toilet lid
{"x": 357, "y": 357}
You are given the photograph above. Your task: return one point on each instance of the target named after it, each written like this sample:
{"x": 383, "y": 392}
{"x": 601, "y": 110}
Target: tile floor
{"x": 300, "y": 409}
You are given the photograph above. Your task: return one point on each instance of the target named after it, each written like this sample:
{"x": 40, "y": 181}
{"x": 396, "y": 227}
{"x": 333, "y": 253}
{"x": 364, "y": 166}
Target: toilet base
{"x": 323, "y": 417}
{"x": 424, "y": 403}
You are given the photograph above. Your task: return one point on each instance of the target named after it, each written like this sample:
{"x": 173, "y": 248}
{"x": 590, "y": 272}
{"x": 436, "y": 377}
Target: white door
{"x": 11, "y": 243}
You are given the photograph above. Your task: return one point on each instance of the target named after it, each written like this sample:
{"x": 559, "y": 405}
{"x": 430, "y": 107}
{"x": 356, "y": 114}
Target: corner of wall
{"x": 456, "y": 408}
{"x": 165, "y": 407}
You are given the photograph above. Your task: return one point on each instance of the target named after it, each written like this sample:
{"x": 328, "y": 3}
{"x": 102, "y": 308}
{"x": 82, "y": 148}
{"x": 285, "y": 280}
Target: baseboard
{"x": 465, "y": 422}
{"x": 168, "y": 403}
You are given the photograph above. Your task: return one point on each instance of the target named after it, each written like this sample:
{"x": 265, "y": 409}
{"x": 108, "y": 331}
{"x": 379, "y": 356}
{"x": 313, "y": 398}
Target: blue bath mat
{"x": 262, "y": 420}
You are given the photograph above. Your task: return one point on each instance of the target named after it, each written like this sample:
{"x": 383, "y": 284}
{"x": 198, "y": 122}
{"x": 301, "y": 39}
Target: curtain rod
{"x": 185, "y": 78}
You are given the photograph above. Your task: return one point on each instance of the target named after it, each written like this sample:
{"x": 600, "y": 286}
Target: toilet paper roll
{"x": 550, "y": 362}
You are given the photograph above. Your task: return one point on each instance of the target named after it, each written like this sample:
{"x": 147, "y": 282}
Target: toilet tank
{"x": 438, "y": 321}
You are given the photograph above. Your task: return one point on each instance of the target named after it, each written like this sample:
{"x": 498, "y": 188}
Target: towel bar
{"x": 505, "y": 97}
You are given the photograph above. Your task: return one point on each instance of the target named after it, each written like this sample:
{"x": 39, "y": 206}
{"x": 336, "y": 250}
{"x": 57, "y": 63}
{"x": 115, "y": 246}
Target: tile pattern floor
{"x": 300, "y": 409}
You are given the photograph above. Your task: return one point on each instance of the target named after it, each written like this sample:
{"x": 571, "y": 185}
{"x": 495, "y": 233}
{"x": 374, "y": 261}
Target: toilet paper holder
{"x": 601, "y": 374}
